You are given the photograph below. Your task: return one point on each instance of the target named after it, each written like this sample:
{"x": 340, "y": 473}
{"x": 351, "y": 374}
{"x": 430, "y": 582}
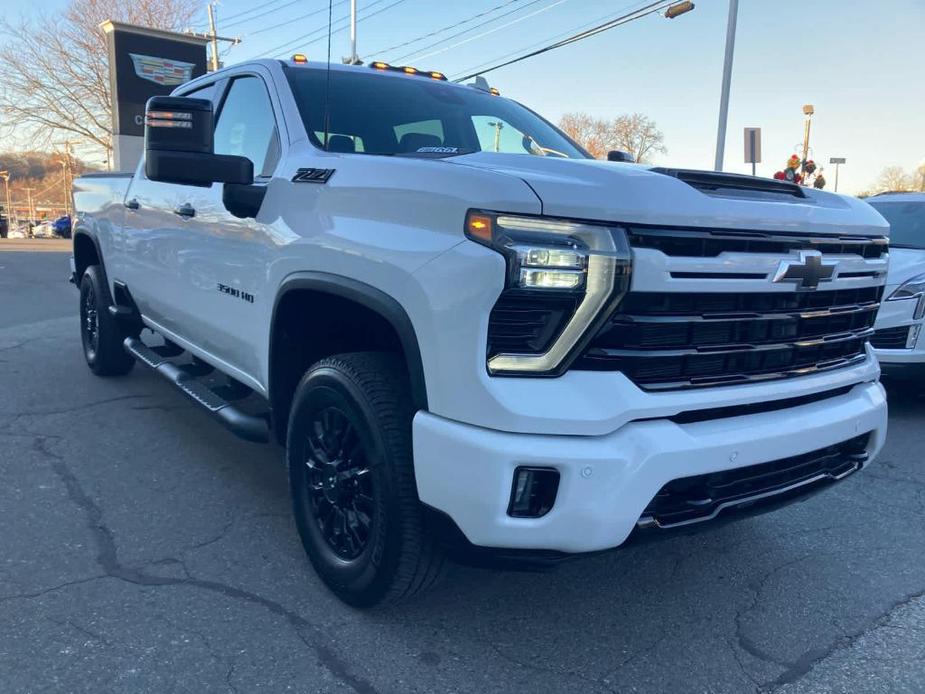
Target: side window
{"x": 246, "y": 126}
{"x": 207, "y": 92}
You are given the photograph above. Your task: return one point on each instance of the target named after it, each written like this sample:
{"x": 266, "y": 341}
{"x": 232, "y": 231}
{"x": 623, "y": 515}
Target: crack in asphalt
{"x": 107, "y": 558}
{"x": 813, "y": 657}
{"x": 745, "y": 642}
{"x": 72, "y": 408}
{"x": 541, "y": 668}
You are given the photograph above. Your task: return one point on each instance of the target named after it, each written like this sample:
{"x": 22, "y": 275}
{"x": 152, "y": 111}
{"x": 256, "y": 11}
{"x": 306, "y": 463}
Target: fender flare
{"x": 374, "y": 299}
{"x": 81, "y": 232}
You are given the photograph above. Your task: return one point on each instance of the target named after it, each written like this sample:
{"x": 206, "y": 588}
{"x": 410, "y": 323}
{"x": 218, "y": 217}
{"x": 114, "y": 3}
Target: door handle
{"x": 185, "y": 210}
{"x": 132, "y": 204}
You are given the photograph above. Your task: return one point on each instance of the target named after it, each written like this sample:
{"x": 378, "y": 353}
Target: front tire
{"x": 100, "y": 333}
{"x": 352, "y": 480}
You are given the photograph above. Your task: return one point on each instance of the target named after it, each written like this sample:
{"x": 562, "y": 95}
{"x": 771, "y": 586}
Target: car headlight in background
{"x": 910, "y": 289}
{"x": 562, "y": 277}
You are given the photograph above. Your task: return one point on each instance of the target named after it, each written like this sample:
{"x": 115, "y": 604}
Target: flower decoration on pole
{"x": 792, "y": 171}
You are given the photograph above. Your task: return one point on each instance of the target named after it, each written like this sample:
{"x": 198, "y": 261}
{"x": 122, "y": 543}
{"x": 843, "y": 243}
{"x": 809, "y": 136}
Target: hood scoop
{"x": 736, "y": 185}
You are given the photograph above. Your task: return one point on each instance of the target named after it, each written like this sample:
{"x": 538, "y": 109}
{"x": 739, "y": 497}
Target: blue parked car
{"x": 62, "y": 227}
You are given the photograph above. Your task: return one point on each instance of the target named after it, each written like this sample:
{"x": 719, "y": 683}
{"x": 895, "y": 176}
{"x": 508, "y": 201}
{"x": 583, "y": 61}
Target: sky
{"x": 861, "y": 63}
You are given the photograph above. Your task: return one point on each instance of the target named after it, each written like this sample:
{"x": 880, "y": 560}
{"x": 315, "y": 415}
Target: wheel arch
{"x": 87, "y": 252}
{"x": 316, "y": 286}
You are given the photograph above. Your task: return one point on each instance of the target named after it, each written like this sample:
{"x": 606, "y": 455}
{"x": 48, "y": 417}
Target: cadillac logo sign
{"x": 162, "y": 70}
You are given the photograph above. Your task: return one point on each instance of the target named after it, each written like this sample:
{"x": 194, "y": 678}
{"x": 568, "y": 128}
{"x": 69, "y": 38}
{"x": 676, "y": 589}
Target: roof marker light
{"x": 438, "y": 76}
{"x": 378, "y": 65}
{"x": 410, "y": 70}
{"x": 494, "y": 91}
{"x": 299, "y": 58}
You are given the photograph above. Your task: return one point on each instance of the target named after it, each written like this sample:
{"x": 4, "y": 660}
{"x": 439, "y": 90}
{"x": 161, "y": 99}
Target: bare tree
{"x": 632, "y": 132}
{"x": 895, "y": 178}
{"x": 55, "y": 81}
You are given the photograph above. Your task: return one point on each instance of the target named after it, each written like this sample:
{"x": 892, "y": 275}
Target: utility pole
{"x": 31, "y": 210}
{"x": 353, "y": 58}
{"x": 214, "y": 38}
{"x": 67, "y": 174}
{"x": 727, "y": 81}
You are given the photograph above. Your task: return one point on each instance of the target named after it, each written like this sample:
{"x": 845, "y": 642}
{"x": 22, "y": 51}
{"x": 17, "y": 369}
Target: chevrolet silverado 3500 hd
{"x": 465, "y": 330}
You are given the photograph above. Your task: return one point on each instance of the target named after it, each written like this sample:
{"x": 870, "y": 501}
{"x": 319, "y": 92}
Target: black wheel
{"x": 352, "y": 480}
{"x": 99, "y": 331}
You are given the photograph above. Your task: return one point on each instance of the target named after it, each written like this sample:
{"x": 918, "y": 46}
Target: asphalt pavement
{"x": 145, "y": 549}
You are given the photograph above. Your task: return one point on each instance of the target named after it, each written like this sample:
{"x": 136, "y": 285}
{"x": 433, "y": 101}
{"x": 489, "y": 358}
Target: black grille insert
{"x": 702, "y": 497}
{"x": 527, "y": 323}
{"x": 891, "y": 338}
{"x": 709, "y": 243}
{"x": 675, "y": 340}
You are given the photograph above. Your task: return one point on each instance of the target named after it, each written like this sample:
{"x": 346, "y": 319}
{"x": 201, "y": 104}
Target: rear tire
{"x": 100, "y": 333}
{"x": 352, "y": 480}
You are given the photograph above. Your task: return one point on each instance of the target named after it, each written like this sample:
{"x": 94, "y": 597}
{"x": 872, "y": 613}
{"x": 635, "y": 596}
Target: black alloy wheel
{"x": 90, "y": 322}
{"x": 340, "y": 485}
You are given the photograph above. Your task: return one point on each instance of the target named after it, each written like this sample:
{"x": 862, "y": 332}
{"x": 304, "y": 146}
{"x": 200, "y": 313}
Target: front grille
{"x": 702, "y": 497}
{"x": 891, "y": 338}
{"x": 710, "y": 243}
{"x": 674, "y": 340}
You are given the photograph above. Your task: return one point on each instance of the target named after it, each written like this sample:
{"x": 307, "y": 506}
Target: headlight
{"x": 550, "y": 262}
{"x": 911, "y": 289}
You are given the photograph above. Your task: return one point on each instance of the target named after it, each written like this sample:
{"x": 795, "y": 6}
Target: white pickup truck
{"x": 470, "y": 336}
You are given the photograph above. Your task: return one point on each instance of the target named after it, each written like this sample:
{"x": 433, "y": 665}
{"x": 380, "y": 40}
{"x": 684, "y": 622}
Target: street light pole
{"x": 727, "y": 81}
{"x": 808, "y": 111}
{"x": 5, "y": 175}
{"x": 497, "y": 125}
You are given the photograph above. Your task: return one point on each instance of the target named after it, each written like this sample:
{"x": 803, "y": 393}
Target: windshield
{"x": 374, "y": 113}
{"x": 907, "y": 222}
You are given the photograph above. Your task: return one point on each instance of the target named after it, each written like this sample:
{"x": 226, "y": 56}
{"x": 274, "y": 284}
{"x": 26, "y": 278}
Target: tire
{"x": 352, "y": 480}
{"x": 100, "y": 333}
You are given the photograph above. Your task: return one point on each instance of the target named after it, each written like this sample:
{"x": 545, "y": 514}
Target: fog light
{"x": 533, "y": 492}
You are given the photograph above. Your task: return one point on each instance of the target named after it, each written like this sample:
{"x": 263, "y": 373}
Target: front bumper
{"x": 897, "y": 314}
{"x": 607, "y": 481}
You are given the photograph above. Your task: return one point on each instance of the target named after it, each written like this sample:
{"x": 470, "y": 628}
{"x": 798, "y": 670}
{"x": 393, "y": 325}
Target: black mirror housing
{"x": 195, "y": 169}
{"x": 179, "y": 124}
{"x": 179, "y": 147}
{"x": 619, "y": 155}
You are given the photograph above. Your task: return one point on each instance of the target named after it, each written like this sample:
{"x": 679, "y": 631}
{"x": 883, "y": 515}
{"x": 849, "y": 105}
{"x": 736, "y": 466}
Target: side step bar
{"x": 248, "y": 427}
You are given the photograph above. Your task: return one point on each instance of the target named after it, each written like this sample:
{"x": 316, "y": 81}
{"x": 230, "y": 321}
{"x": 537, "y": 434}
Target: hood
{"x": 905, "y": 263}
{"x": 632, "y": 193}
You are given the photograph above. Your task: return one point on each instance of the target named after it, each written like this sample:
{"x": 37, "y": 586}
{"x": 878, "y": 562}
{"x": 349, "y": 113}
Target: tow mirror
{"x": 178, "y": 145}
{"x": 619, "y": 155}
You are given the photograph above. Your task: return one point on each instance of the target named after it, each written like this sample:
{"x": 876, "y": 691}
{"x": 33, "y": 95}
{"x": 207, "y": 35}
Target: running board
{"x": 247, "y": 426}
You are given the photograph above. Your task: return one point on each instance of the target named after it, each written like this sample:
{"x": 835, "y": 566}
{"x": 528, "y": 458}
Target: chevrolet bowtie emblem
{"x": 807, "y": 272}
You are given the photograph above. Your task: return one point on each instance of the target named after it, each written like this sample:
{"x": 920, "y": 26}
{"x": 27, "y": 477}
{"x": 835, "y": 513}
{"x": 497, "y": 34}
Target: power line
{"x": 441, "y": 30}
{"x": 296, "y": 19}
{"x": 270, "y": 11}
{"x": 556, "y": 37}
{"x": 466, "y": 31}
{"x": 490, "y": 31}
{"x": 251, "y": 9}
{"x": 301, "y": 40}
{"x": 617, "y": 21}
